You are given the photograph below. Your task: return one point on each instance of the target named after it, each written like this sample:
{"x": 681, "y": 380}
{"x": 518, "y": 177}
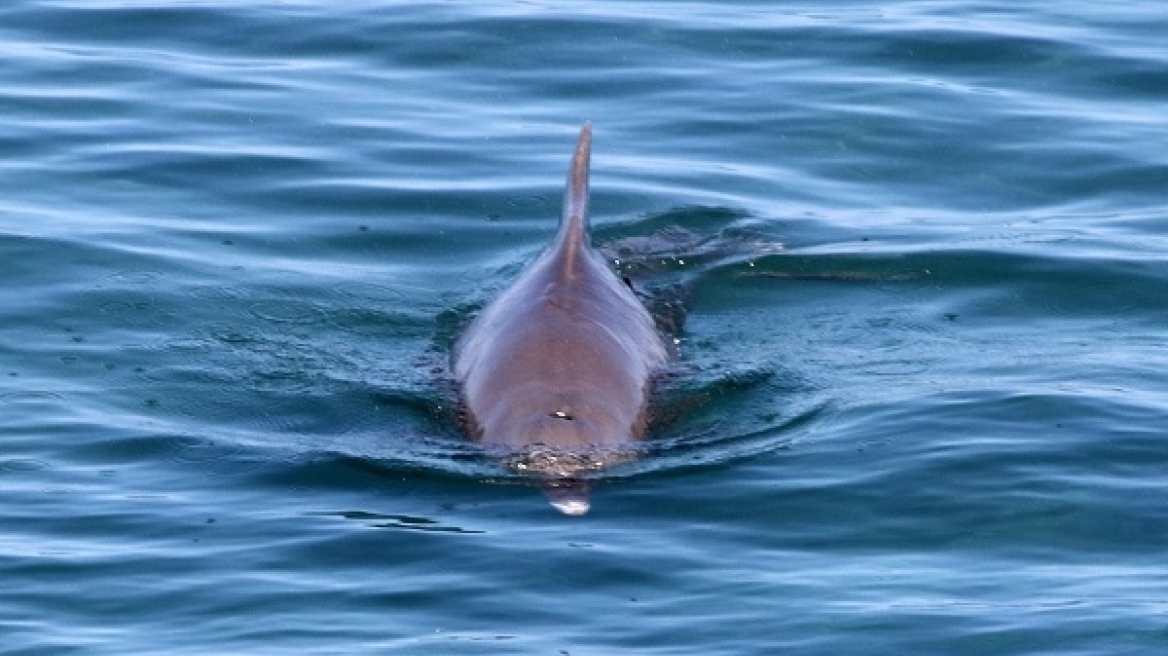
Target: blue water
{"x": 919, "y": 401}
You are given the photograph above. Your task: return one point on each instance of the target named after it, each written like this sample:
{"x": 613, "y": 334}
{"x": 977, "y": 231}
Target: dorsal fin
{"x": 572, "y": 239}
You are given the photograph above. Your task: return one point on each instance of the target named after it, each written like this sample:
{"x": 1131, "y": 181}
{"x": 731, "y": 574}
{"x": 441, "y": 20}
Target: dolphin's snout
{"x": 569, "y": 497}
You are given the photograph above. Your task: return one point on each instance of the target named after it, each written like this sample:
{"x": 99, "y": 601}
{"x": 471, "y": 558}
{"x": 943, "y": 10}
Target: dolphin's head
{"x": 562, "y": 453}
{"x": 559, "y": 440}
{"x": 559, "y": 472}
{"x": 557, "y": 445}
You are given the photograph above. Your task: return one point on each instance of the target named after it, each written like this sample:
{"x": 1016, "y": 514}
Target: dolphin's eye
{"x": 560, "y": 414}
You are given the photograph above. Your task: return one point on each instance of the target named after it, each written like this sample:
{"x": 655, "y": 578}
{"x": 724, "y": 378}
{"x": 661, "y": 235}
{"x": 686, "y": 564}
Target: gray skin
{"x": 555, "y": 373}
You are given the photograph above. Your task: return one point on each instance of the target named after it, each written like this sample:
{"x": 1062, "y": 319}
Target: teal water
{"x": 237, "y": 240}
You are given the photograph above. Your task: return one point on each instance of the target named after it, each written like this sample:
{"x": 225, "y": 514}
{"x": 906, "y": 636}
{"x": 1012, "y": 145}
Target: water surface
{"x": 239, "y": 238}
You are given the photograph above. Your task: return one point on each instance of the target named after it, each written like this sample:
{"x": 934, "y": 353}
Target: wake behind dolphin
{"x": 555, "y": 372}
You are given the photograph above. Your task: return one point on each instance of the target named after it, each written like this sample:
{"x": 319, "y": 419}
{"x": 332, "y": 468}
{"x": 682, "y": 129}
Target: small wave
{"x": 402, "y": 522}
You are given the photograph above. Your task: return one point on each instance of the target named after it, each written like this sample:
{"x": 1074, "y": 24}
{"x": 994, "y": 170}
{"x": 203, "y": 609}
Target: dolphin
{"x": 555, "y": 373}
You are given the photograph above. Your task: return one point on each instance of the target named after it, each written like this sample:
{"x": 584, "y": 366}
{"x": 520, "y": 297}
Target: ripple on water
{"x": 707, "y": 421}
{"x": 400, "y": 522}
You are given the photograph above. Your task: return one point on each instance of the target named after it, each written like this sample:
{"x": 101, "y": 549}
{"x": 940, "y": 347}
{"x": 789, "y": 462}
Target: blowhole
{"x": 560, "y": 414}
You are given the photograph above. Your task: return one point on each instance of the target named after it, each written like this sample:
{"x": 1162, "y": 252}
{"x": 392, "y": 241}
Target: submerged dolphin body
{"x": 555, "y": 373}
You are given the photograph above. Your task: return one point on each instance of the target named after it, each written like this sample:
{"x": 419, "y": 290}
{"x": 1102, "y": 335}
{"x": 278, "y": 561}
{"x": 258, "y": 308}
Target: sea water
{"x": 917, "y": 251}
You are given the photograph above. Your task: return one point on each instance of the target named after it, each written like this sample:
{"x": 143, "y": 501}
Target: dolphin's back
{"x": 560, "y": 363}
